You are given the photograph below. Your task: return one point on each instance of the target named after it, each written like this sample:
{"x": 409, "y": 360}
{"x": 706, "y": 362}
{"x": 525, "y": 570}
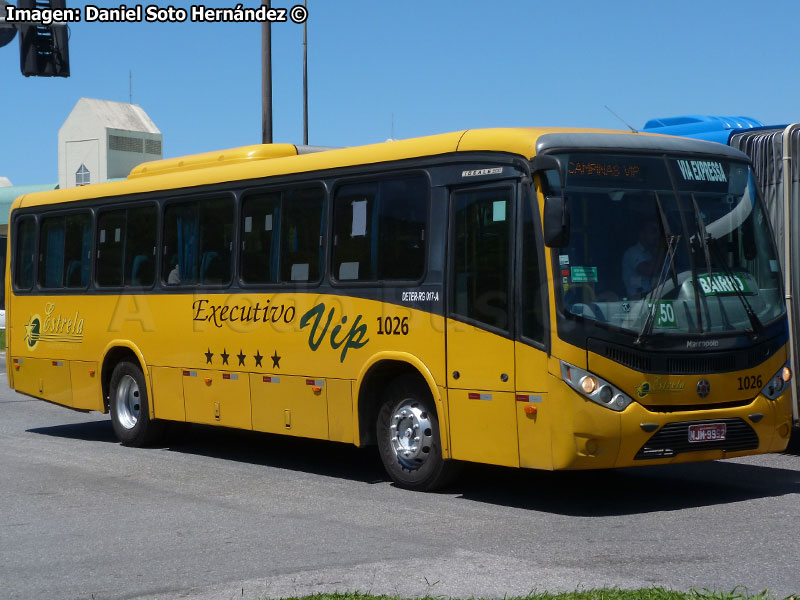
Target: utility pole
{"x": 305, "y": 80}
{"x": 266, "y": 79}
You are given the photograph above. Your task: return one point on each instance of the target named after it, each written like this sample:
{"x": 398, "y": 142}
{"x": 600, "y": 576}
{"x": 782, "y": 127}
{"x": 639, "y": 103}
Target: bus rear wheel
{"x": 409, "y": 439}
{"x": 129, "y": 407}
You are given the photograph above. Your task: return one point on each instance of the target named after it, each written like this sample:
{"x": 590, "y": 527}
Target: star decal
{"x": 29, "y": 331}
{"x": 209, "y": 355}
{"x": 258, "y": 358}
{"x": 241, "y": 357}
{"x": 224, "y": 356}
{"x": 276, "y": 360}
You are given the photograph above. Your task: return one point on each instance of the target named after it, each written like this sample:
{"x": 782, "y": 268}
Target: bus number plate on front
{"x": 713, "y": 432}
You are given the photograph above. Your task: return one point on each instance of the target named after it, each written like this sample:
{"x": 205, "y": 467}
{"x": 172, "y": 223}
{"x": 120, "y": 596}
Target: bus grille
{"x": 695, "y": 363}
{"x": 666, "y": 408}
{"x": 673, "y": 439}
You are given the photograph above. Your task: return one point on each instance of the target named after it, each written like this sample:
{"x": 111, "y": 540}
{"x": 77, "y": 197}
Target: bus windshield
{"x": 667, "y": 245}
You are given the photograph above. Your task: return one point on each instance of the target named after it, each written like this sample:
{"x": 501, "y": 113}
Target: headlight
{"x": 778, "y": 383}
{"x": 594, "y": 388}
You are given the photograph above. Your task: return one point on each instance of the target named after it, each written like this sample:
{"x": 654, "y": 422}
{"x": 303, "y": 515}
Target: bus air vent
{"x": 673, "y": 439}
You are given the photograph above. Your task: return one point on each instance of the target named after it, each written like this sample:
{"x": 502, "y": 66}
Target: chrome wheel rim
{"x": 411, "y": 434}
{"x": 128, "y": 402}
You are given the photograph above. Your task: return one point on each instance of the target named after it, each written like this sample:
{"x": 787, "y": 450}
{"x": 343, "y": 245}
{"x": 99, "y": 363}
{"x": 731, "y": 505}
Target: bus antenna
{"x": 621, "y": 119}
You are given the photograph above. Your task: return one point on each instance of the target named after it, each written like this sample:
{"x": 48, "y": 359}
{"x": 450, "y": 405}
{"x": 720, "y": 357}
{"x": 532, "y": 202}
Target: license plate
{"x": 713, "y": 432}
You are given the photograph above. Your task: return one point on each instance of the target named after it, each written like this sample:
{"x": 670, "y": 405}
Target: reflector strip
{"x": 317, "y": 382}
{"x": 233, "y": 376}
{"x": 58, "y": 363}
{"x": 17, "y": 361}
{"x": 474, "y": 396}
{"x": 190, "y": 373}
{"x": 269, "y": 379}
{"x": 528, "y": 398}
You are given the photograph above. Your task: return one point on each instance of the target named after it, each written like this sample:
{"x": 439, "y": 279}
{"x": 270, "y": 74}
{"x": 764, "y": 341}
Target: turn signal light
{"x": 91, "y": 372}
{"x": 786, "y": 374}
{"x": 207, "y": 380}
{"x": 530, "y": 410}
{"x": 316, "y": 389}
{"x": 588, "y": 384}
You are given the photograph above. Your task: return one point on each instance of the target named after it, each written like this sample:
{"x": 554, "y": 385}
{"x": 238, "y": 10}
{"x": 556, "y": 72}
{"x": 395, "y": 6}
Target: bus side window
{"x": 51, "y": 252}
{"x": 380, "y": 230}
{"x": 77, "y": 250}
{"x": 532, "y": 280}
{"x": 110, "y": 243}
{"x": 260, "y": 226}
{"x": 198, "y": 238}
{"x": 353, "y": 241}
{"x": 25, "y": 253}
{"x": 216, "y": 240}
{"x": 140, "y": 243}
{"x": 302, "y": 230}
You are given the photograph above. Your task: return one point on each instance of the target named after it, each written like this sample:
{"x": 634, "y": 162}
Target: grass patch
{"x": 2, "y": 339}
{"x": 598, "y": 594}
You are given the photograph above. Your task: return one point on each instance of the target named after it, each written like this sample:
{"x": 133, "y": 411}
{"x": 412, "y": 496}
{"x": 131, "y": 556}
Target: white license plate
{"x": 713, "y": 432}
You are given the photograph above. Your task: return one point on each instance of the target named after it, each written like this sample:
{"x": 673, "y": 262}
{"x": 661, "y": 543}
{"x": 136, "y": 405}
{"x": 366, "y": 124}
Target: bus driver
{"x": 638, "y": 268}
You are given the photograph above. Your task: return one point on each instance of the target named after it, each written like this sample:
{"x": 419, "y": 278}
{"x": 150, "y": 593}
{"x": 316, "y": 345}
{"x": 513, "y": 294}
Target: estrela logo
{"x": 643, "y": 389}
{"x": 53, "y": 328}
{"x": 33, "y": 330}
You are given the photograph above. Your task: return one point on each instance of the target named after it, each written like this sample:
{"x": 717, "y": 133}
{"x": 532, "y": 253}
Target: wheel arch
{"x": 375, "y": 375}
{"x": 116, "y": 352}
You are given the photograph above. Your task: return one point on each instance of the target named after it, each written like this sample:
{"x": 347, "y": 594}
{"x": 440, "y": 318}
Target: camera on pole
{"x": 43, "y": 48}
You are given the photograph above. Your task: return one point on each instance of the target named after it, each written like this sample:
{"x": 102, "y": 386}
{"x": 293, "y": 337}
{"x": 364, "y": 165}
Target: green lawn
{"x": 2, "y": 339}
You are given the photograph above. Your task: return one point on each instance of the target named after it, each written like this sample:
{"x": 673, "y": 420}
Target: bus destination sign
{"x": 606, "y": 168}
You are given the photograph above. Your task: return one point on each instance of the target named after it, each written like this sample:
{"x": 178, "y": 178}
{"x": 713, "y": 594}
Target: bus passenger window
{"x": 25, "y": 253}
{"x": 64, "y": 253}
{"x": 78, "y": 250}
{"x": 110, "y": 242}
{"x": 302, "y": 230}
{"x": 198, "y": 239}
{"x": 260, "y": 226}
{"x": 140, "y": 246}
{"x": 380, "y": 230}
{"x": 51, "y": 252}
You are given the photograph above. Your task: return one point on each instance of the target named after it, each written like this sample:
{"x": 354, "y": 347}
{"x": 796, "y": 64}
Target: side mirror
{"x": 556, "y": 222}
{"x": 556, "y": 215}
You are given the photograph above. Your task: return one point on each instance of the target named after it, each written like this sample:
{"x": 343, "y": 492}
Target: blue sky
{"x": 436, "y": 65}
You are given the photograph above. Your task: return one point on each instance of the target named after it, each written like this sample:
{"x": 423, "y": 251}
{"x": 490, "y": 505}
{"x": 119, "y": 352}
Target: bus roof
{"x": 253, "y": 162}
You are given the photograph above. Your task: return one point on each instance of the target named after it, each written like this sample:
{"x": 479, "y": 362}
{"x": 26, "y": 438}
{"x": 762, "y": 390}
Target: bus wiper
{"x": 692, "y": 265}
{"x": 668, "y": 237}
{"x": 669, "y": 256}
{"x": 705, "y": 240}
{"x": 658, "y": 290}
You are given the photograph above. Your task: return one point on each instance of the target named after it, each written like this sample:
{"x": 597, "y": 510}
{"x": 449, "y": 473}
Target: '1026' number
{"x": 750, "y": 382}
{"x": 392, "y": 326}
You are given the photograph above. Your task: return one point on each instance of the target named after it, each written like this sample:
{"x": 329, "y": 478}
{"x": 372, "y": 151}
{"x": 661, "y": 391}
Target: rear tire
{"x": 130, "y": 408}
{"x": 409, "y": 438}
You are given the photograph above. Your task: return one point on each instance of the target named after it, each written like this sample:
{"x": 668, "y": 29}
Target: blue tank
{"x": 704, "y": 127}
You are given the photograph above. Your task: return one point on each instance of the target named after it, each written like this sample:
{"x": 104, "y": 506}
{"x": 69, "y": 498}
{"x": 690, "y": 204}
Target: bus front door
{"x": 480, "y": 348}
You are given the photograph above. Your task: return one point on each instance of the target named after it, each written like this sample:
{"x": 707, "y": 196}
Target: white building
{"x": 102, "y": 140}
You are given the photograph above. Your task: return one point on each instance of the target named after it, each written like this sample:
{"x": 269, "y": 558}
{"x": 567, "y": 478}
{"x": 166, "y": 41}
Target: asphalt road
{"x": 222, "y": 514}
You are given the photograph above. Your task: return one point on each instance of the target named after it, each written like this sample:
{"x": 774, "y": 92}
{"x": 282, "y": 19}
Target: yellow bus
{"x": 537, "y": 298}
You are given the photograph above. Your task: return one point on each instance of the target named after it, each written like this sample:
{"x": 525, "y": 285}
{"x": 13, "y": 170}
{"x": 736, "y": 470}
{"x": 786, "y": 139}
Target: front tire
{"x": 409, "y": 438}
{"x": 130, "y": 408}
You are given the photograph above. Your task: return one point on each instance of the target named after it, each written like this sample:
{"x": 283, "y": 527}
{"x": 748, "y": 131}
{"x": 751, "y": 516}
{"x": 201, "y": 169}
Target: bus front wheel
{"x": 409, "y": 438}
{"x": 130, "y": 412}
